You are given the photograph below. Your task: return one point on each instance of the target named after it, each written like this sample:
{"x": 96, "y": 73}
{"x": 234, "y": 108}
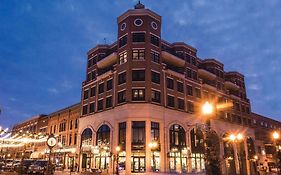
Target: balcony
{"x": 206, "y": 74}
{"x": 107, "y": 61}
{"x": 211, "y": 85}
{"x": 230, "y": 85}
{"x": 172, "y": 59}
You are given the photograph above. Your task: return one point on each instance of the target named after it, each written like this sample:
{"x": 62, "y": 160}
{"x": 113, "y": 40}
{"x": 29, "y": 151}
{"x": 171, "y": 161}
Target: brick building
{"x": 143, "y": 89}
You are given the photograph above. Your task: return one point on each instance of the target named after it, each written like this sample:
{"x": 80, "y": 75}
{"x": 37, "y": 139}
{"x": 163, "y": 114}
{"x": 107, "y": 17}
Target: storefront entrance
{"x": 138, "y": 164}
{"x": 177, "y": 162}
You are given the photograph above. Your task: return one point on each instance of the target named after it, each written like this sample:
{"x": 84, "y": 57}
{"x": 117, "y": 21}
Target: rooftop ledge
{"x": 107, "y": 61}
{"x": 230, "y": 85}
{"x": 206, "y": 74}
{"x": 170, "y": 58}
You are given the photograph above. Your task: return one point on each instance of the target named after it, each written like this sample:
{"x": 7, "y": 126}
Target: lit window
{"x": 123, "y": 58}
{"x": 138, "y": 95}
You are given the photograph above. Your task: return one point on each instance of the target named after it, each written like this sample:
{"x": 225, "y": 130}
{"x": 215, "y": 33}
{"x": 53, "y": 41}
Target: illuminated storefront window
{"x": 197, "y": 150}
{"x": 102, "y": 149}
{"x": 178, "y": 151}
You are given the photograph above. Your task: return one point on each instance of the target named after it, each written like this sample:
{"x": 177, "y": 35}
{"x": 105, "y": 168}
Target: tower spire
{"x": 139, "y": 5}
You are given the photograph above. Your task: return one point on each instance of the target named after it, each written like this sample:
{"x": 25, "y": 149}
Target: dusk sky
{"x": 43, "y": 46}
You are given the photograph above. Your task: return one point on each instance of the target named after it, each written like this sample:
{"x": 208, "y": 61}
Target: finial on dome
{"x": 139, "y": 5}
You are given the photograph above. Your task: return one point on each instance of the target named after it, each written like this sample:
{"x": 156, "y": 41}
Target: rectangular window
{"x": 170, "y": 101}
{"x": 101, "y": 88}
{"x": 122, "y": 134}
{"x": 92, "y": 107}
{"x": 100, "y": 104}
{"x": 122, "y": 78}
{"x": 155, "y": 77}
{"x": 170, "y": 83}
{"x": 123, "y": 41}
{"x": 138, "y": 95}
{"x": 109, "y": 84}
{"x": 138, "y": 75}
{"x": 155, "y": 57}
{"x": 90, "y": 62}
{"x": 76, "y": 123}
{"x": 138, "y": 135}
{"x": 122, "y": 96}
{"x": 93, "y": 91}
{"x": 189, "y": 90}
{"x": 123, "y": 58}
{"x": 156, "y": 96}
{"x": 188, "y": 73}
{"x": 154, "y": 40}
{"x": 86, "y": 94}
{"x": 85, "y": 109}
{"x": 180, "y": 103}
{"x": 138, "y": 54}
{"x": 139, "y": 37}
{"x": 190, "y": 107}
{"x": 94, "y": 75}
{"x": 75, "y": 139}
{"x": 88, "y": 77}
{"x": 197, "y": 92}
{"x": 70, "y": 139}
{"x": 108, "y": 102}
{"x": 180, "y": 86}
{"x": 155, "y": 134}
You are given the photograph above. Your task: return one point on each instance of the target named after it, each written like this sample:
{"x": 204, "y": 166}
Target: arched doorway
{"x": 102, "y": 148}
{"x": 213, "y": 153}
{"x": 251, "y": 155}
{"x": 86, "y": 144}
{"x": 178, "y": 152}
{"x": 229, "y": 156}
{"x": 197, "y": 150}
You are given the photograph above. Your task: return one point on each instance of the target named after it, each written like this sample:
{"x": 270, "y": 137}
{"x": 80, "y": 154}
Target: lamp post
{"x": 207, "y": 111}
{"x": 153, "y": 146}
{"x": 234, "y": 138}
{"x": 118, "y": 149}
{"x": 276, "y": 137}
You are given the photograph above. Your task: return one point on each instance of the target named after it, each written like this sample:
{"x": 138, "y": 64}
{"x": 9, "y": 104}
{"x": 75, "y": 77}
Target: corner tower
{"x": 139, "y": 48}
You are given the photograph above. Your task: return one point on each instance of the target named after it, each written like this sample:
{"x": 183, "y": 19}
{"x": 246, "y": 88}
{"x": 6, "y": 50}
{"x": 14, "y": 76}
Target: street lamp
{"x": 276, "y": 137}
{"x": 207, "y": 108}
{"x": 153, "y": 146}
{"x": 118, "y": 149}
{"x": 237, "y": 138}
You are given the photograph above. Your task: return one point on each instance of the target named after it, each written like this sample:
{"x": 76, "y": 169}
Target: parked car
{"x": 9, "y": 164}
{"x": 2, "y": 165}
{"x": 25, "y": 165}
{"x": 38, "y": 167}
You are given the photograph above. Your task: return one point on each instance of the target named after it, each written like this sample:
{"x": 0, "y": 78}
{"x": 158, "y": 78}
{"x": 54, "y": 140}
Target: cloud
{"x": 12, "y": 99}
{"x": 53, "y": 90}
{"x": 66, "y": 84}
{"x": 254, "y": 87}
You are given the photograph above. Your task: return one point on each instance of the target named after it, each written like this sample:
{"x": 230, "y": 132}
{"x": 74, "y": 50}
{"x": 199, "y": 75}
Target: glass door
{"x": 138, "y": 164}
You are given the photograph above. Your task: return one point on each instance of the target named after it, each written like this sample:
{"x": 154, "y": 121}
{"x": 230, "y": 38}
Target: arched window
{"x": 197, "y": 150}
{"x": 103, "y": 135}
{"x": 251, "y": 148}
{"x": 86, "y": 137}
{"x": 178, "y": 151}
{"x": 177, "y": 136}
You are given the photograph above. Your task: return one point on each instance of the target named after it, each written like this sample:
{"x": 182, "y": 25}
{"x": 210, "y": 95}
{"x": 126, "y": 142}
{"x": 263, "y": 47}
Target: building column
{"x": 236, "y": 160}
{"x": 147, "y": 148}
{"x": 224, "y": 164}
{"x": 162, "y": 147}
{"x": 128, "y": 146}
{"x": 246, "y": 157}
